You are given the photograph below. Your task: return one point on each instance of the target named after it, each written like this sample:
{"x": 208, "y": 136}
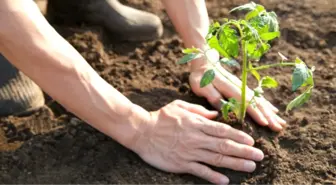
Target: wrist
{"x": 131, "y": 127}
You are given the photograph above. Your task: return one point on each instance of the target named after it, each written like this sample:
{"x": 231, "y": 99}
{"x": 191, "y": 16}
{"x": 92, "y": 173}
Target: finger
{"x": 281, "y": 121}
{"x": 212, "y": 95}
{"x": 206, "y": 173}
{"x": 257, "y": 115}
{"x": 271, "y": 106}
{"x": 271, "y": 118}
{"x": 232, "y": 148}
{"x": 222, "y": 130}
{"x": 219, "y": 160}
{"x": 197, "y": 109}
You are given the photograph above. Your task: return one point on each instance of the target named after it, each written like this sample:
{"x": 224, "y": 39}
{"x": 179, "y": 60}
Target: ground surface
{"x": 53, "y": 146}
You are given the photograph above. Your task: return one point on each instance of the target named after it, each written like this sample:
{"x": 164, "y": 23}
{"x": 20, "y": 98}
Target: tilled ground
{"x": 53, "y": 146}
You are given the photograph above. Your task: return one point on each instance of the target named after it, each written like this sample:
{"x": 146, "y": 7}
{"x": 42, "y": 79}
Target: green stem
{"x": 224, "y": 75}
{"x": 244, "y": 74}
{"x": 250, "y": 102}
{"x": 273, "y": 65}
{"x": 244, "y": 82}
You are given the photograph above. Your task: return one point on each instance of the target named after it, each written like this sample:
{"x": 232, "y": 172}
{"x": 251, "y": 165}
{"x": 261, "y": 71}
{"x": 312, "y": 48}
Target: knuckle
{"x": 204, "y": 172}
{"x": 218, "y": 160}
{"x": 225, "y": 146}
{"x": 223, "y": 129}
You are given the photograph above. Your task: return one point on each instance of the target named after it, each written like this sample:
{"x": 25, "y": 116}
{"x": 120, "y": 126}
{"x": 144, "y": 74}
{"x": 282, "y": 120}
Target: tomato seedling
{"x": 249, "y": 40}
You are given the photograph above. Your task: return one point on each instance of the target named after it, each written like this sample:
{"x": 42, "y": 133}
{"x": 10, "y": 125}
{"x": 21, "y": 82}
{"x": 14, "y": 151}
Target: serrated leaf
{"x": 300, "y": 100}
{"x": 249, "y": 6}
{"x": 189, "y": 57}
{"x": 255, "y": 12}
{"x": 256, "y": 50}
{"x": 300, "y": 76}
{"x": 207, "y": 78}
{"x": 254, "y": 72}
{"x": 269, "y": 82}
{"x": 190, "y": 50}
{"x": 269, "y": 36}
{"x": 213, "y": 28}
{"x": 229, "y": 62}
{"x": 214, "y": 43}
{"x": 229, "y": 41}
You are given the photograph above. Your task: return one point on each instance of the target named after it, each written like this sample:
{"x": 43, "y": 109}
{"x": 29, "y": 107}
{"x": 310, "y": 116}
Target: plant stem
{"x": 273, "y": 65}
{"x": 244, "y": 82}
{"x": 225, "y": 76}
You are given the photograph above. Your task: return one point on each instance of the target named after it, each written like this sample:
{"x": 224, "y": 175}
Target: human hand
{"x": 181, "y": 135}
{"x": 263, "y": 113}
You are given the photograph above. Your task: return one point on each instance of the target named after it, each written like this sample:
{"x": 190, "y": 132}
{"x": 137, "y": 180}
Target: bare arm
{"x": 191, "y": 21}
{"x": 34, "y": 47}
{"x": 160, "y": 138}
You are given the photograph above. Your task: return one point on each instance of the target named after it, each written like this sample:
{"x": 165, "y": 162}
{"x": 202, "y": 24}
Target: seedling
{"x": 248, "y": 39}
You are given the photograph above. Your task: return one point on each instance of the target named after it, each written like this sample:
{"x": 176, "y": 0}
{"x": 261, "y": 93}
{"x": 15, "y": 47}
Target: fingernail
{"x": 224, "y": 181}
{"x": 258, "y": 155}
{"x": 282, "y": 120}
{"x": 249, "y": 166}
{"x": 265, "y": 120}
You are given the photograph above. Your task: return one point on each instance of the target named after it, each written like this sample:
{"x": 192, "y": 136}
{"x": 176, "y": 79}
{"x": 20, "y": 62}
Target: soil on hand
{"x": 53, "y": 146}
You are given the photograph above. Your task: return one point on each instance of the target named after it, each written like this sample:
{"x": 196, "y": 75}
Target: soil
{"x": 53, "y": 146}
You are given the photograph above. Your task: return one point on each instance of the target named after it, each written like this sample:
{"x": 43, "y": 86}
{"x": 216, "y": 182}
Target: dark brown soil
{"x": 53, "y": 146}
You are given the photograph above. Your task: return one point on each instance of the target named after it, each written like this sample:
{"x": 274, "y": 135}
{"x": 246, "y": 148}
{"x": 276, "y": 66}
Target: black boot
{"x": 123, "y": 22}
{"x": 18, "y": 94}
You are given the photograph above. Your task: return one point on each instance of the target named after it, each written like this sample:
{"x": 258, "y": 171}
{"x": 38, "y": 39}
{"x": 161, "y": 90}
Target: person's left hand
{"x": 264, "y": 112}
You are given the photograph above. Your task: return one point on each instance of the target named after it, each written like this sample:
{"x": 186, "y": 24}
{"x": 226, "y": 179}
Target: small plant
{"x": 248, "y": 39}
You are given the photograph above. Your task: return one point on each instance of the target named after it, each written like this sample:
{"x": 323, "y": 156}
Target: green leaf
{"x": 207, "y": 78}
{"x": 269, "y": 82}
{"x": 213, "y": 43}
{"x": 299, "y": 61}
{"x": 249, "y": 6}
{"x": 229, "y": 62}
{"x": 258, "y": 91}
{"x": 213, "y": 28}
{"x": 254, "y": 72}
{"x": 255, "y": 12}
{"x": 256, "y": 50}
{"x": 226, "y": 106}
{"x": 265, "y": 22}
{"x": 300, "y": 76}
{"x": 229, "y": 41}
{"x": 189, "y": 57}
{"x": 269, "y": 36}
{"x": 300, "y": 100}
{"x": 190, "y": 50}
{"x": 235, "y": 106}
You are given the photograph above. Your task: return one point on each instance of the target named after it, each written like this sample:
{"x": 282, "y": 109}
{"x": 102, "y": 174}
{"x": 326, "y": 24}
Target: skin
{"x": 175, "y": 138}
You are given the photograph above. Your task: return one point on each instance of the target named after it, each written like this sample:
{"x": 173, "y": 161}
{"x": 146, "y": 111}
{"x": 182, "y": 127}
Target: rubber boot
{"x": 18, "y": 94}
{"x": 124, "y": 22}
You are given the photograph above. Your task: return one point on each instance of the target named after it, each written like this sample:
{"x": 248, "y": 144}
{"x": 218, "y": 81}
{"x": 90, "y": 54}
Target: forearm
{"x": 35, "y": 48}
{"x": 191, "y": 21}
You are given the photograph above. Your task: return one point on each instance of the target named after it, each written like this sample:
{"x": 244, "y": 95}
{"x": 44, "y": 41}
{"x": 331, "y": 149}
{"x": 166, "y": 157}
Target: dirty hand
{"x": 263, "y": 113}
{"x": 181, "y": 136}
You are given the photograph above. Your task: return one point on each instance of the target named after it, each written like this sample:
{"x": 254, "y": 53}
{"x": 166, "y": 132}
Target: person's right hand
{"x": 181, "y": 135}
